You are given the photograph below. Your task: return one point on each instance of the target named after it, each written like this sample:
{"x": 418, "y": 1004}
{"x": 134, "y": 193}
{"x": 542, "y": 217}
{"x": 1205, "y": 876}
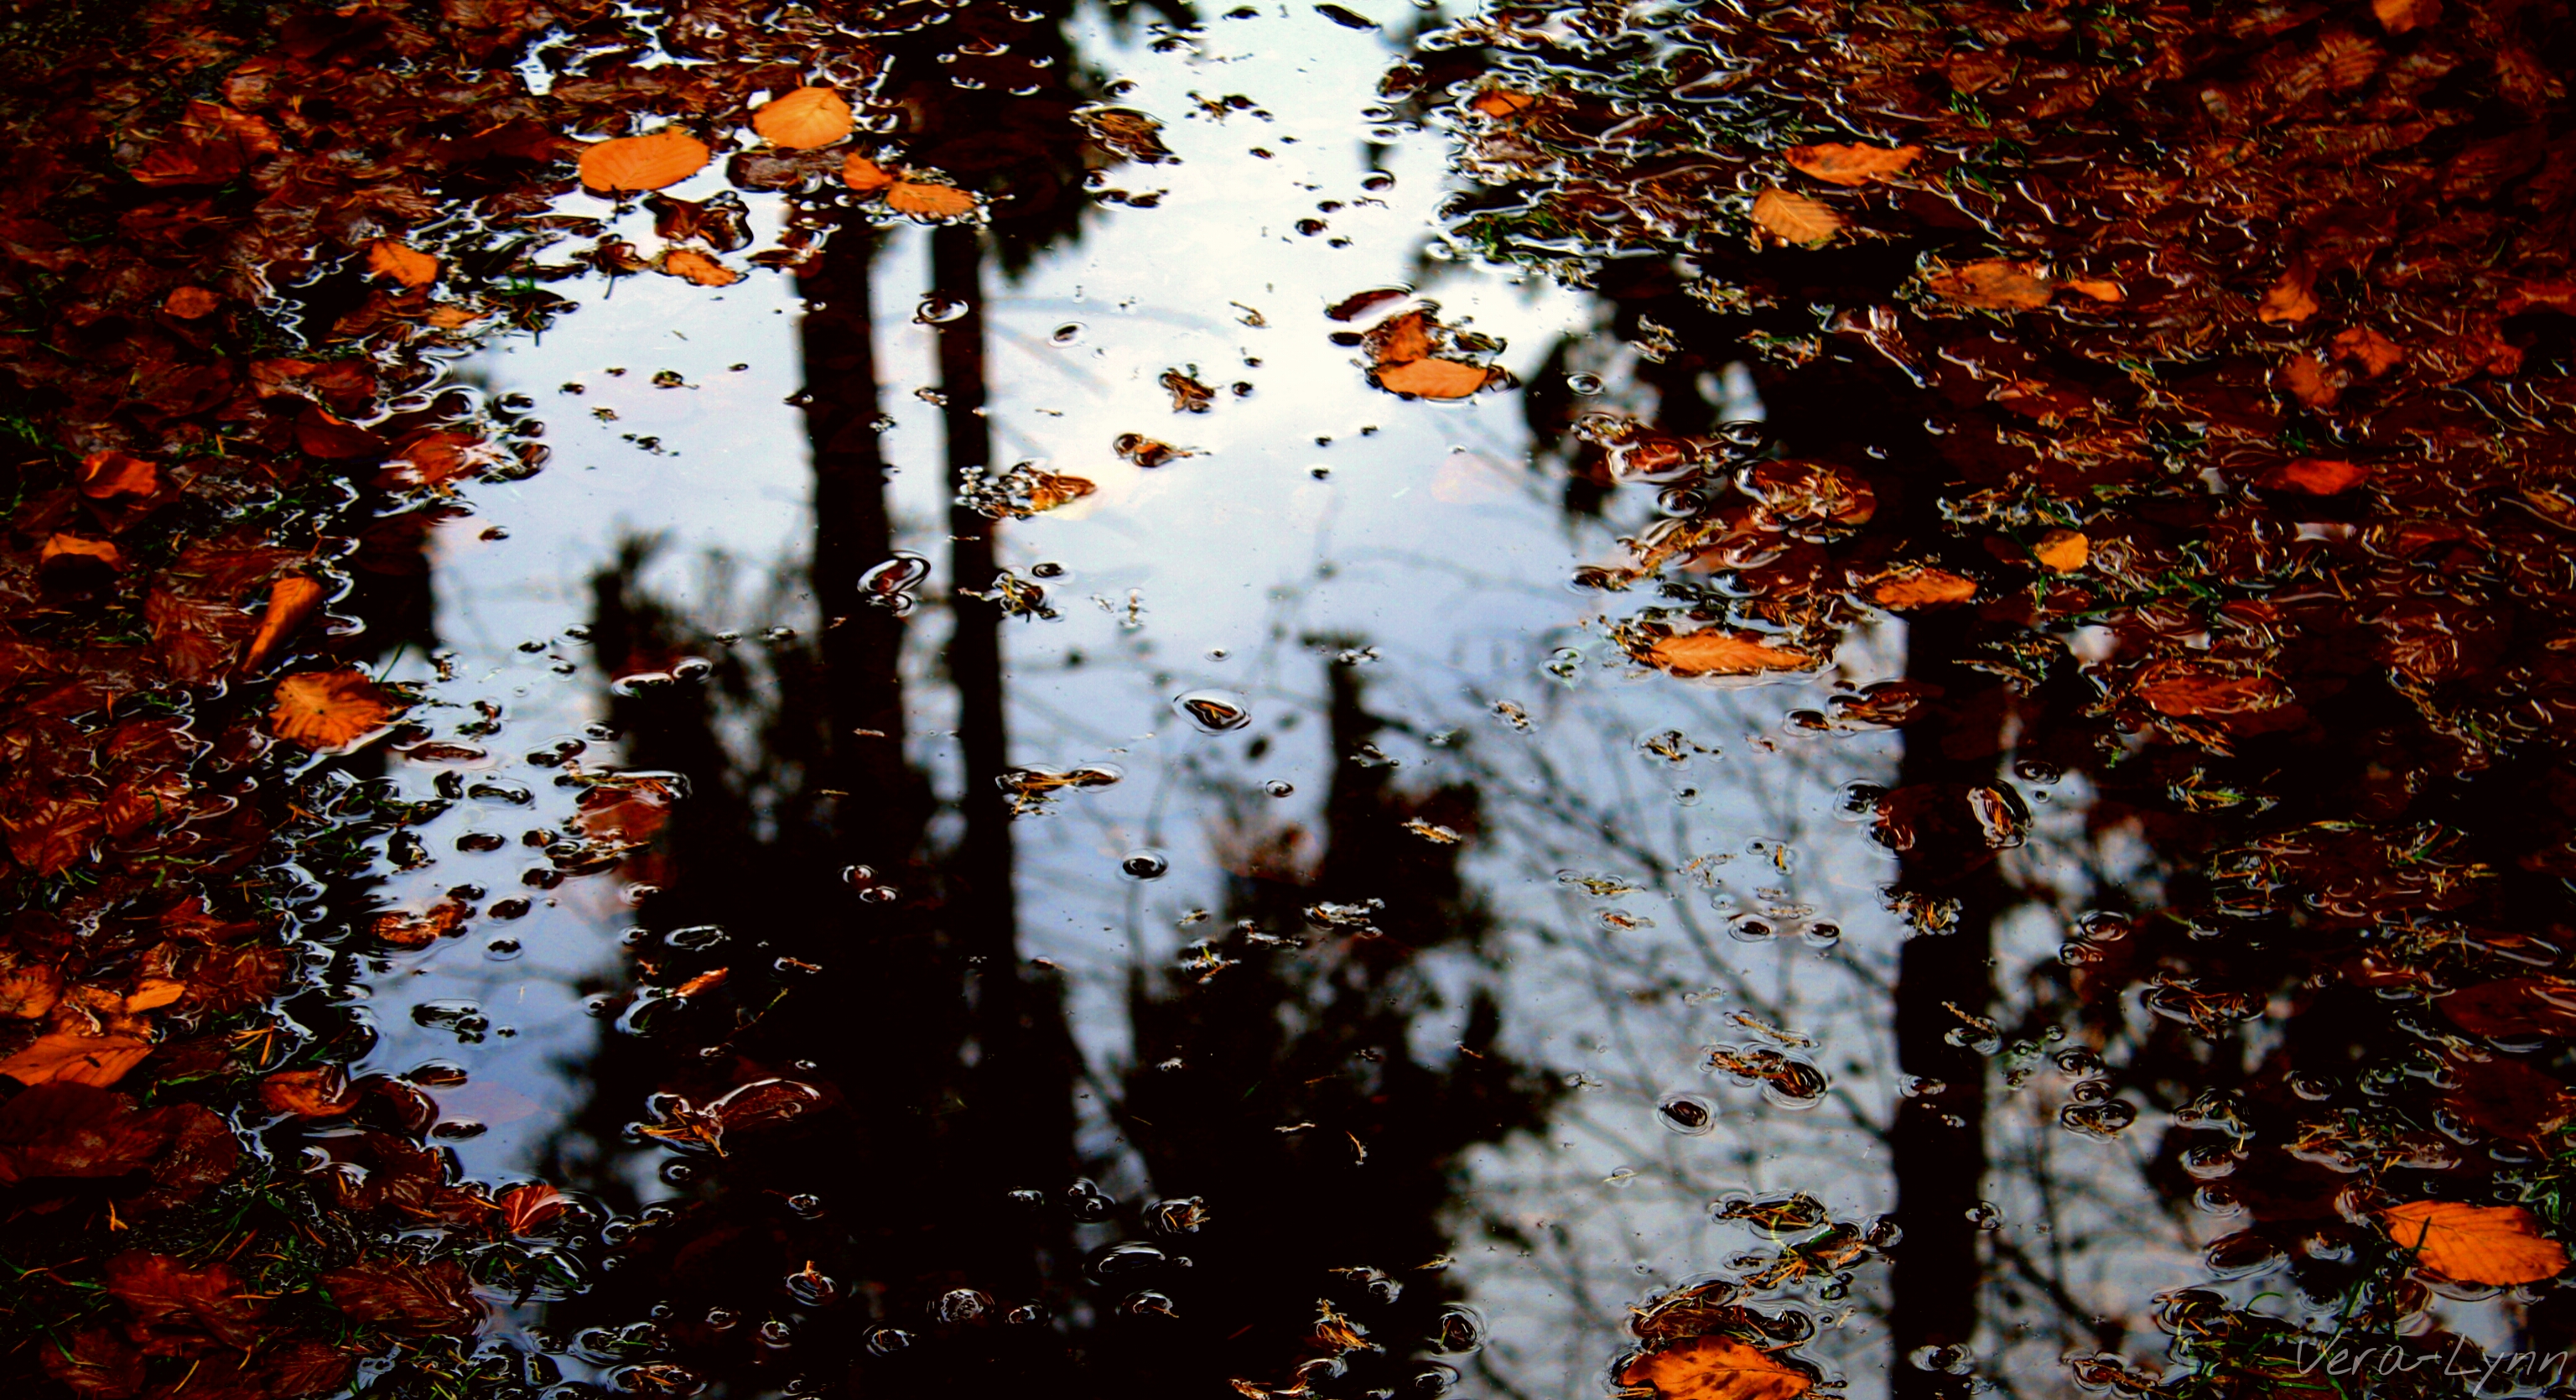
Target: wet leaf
{"x": 1994, "y": 284}
{"x": 2062, "y": 551}
{"x": 326, "y": 709}
{"x": 864, "y": 175}
{"x": 1048, "y": 490}
{"x": 2291, "y": 300}
{"x": 29, "y": 992}
{"x": 389, "y": 257}
{"x": 1795, "y": 218}
{"x": 527, "y": 1206}
{"x": 2310, "y": 380}
{"x": 404, "y": 1298}
{"x": 2374, "y": 353}
{"x": 1127, "y": 132}
{"x": 2514, "y": 1007}
{"x": 1499, "y": 102}
{"x": 292, "y": 601}
{"x": 62, "y": 554}
{"x": 107, "y": 474}
{"x": 308, "y": 1093}
{"x": 1840, "y": 164}
{"x": 164, "y": 1294}
{"x": 924, "y": 200}
{"x": 1435, "y": 378}
{"x": 2399, "y": 16}
{"x": 1358, "y": 304}
{"x": 1715, "y": 1368}
{"x": 1716, "y": 652}
{"x": 634, "y": 164}
{"x": 154, "y": 993}
{"x": 804, "y": 119}
{"x": 2314, "y": 476}
{"x": 2188, "y": 689}
{"x": 191, "y": 303}
{"x": 1921, "y": 588}
{"x": 690, "y": 265}
{"x": 2497, "y": 1245}
{"x": 95, "y": 1060}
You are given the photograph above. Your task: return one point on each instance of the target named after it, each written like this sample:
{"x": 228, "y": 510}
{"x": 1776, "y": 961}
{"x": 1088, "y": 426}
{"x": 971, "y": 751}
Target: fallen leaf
{"x": 308, "y": 1093}
{"x": 1499, "y": 102}
{"x": 1047, "y": 491}
{"x": 1921, "y": 588}
{"x": 690, "y": 265}
{"x": 2514, "y": 1007}
{"x": 1993, "y": 284}
{"x": 1188, "y": 394}
{"x": 2062, "y": 551}
{"x": 2310, "y": 380}
{"x": 154, "y": 993}
{"x": 928, "y": 201}
{"x": 1435, "y": 378}
{"x": 2507, "y": 1097}
{"x": 64, "y": 1128}
{"x": 29, "y": 992}
{"x": 703, "y": 982}
{"x": 191, "y": 303}
{"x": 70, "y": 549}
{"x": 1715, "y": 1368}
{"x": 1715, "y": 652}
{"x": 404, "y": 1298}
{"x": 291, "y": 602}
{"x": 407, "y": 929}
{"x": 325, "y": 709}
{"x": 864, "y": 175}
{"x": 2315, "y": 476}
{"x": 2291, "y": 300}
{"x": 804, "y": 119}
{"x": 95, "y": 1060}
{"x": 2375, "y": 353}
{"x": 1795, "y": 218}
{"x": 1839, "y": 164}
{"x": 761, "y": 1104}
{"x": 166, "y": 1295}
{"x": 525, "y": 1207}
{"x": 2098, "y": 288}
{"x": 2496, "y": 1245}
{"x": 107, "y": 473}
{"x": 402, "y": 262}
{"x": 448, "y": 316}
{"x": 1146, "y": 452}
{"x": 2185, "y": 689}
{"x": 2398, "y": 16}
{"x": 634, "y": 164}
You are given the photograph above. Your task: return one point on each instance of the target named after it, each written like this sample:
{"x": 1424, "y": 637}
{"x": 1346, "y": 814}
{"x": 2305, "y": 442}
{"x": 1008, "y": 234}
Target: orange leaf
{"x": 448, "y": 316}
{"x": 2398, "y": 16}
{"x": 631, "y": 164}
{"x": 1721, "y": 653}
{"x": 1993, "y": 284}
{"x": 95, "y": 1060}
{"x": 108, "y": 473}
{"x": 1838, "y": 164}
{"x": 690, "y": 265}
{"x": 804, "y": 119}
{"x": 307, "y": 1093}
{"x": 1049, "y": 491}
{"x": 2098, "y": 288}
{"x": 29, "y": 992}
{"x": 1499, "y": 102}
{"x": 189, "y": 303}
{"x": 1795, "y": 218}
{"x": 2184, "y": 690}
{"x": 2375, "y": 353}
{"x": 2316, "y": 476}
{"x": 1434, "y": 378}
{"x": 703, "y": 982}
{"x": 525, "y": 1207}
{"x": 2062, "y": 551}
{"x": 1407, "y": 337}
{"x": 291, "y": 601}
{"x": 402, "y": 262}
{"x": 74, "y": 547}
{"x": 863, "y": 174}
{"x": 2476, "y": 1244}
{"x": 2310, "y": 380}
{"x": 1921, "y": 588}
{"x": 325, "y": 709}
{"x": 929, "y": 201}
{"x": 2291, "y": 299}
{"x": 1715, "y": 1368}
{"x": 153, "y": 993}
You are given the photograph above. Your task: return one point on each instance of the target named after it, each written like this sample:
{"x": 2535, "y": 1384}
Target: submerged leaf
{"x": 1993, "y": 284}
{"x": 325, "y": 709}
{"x": 2496, "y": 1245}
{"x": 1840, "y": 164}
{"x": 1795, "y": 218}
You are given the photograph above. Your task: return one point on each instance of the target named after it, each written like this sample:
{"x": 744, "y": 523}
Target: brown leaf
{"x": 1921, "y": 588}
{"x": 2314, "y": 476}
{"x": 2097, "y": 288}
{"x": 291, "y": 602}
{"x": 525, "y": 1207}
{"x": 761, "y": 1104}
{"x": 166, "y": 1295}
{"x": 2310, "y": 380}
{"x": 2507, "y": 1097}
{"x": 191, "y": 303}
{"x": 690, "y": 265}
{"x": 95, "y": 1060}
{"x": 2514, "y": 1007}
{"x": 404, "y": 1298}
{"x": 1795, "y": 218}
{"x": 1435, "y": 378}
{"x": 1188, "y": 394}
{"x": 1840, "y": 164}
{"x": 634, "y": 164}
{"x": 153, "y": 993}
{"x": 389, "y": 257}
{"x": 308, "y": 1093}
{"x": 1048, "y": 490}
{"x": 2186, "y": 689}
{"x": 1715, "y": 1368}
{"x": 929, "y": 201}
{"x": 105, "y": 474}
{"x": 1993, "y": 284}
{"x": 93, "y": 1363}
{"x": 2062, "y": 551}
{"x": 65, "y": 552}
{"x": 2291, "y": 300}
{"x": 405, "y": 929}
{"x": 2376, "y": 354}
{"x": 1716, "y": 652}
{"x": 29, "y": 992}
{"x": 2497, "y": 1245}
{"x": 332, "y": 438}
{"x": 325, "y": 709}
{"x": 804, "y": 119}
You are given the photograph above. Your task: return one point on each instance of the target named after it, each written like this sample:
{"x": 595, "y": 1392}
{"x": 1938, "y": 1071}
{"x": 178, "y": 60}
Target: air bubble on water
{"x": 938, "y": 309}
{"x": 1213, "y": 711}
{"x": 1986, "y": 1215}
{"x": 1620, "y": 1176}
{"x": 886, "y": 1341}
{"x": 1278, "y": 787}
{"x": 1584, "y": 383}
{"x": 961, "y": 1306}
{"x": 1070, "y": 333}
{"x": 503, "y": 949}
{"x": 1687, "y": 1114}
{"x": 1144, "y": 865}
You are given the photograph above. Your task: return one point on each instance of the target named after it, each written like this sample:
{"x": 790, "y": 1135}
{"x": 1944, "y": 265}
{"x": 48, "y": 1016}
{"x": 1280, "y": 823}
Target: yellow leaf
{"x": 2062, "y": 551}
{"x": 95, "y": 1060}
{"x": 401, "y": 262}
{"x": 929, "y": 201}
{"x": 1715, "y": 1368}
{"x": 2476, "y": 1244}
{"x": 632, "y": 164}
{"x": 1921, "y": 588}
{"x": 1434, "y": 378}
{"x": 804, "y": 119}
{"x": 1722, "y": 653}
{"x": 325, "y": 709}
{"x": 863, "y": 174}
{"x": 1993, "y": 284}
{"x": 1838, "y": 164}
{"x": 1795, "y": 218}
{"x": 690, "y": 265}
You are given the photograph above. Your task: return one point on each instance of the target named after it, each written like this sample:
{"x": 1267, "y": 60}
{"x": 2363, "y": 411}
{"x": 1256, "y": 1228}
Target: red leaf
{"x": 407, "y": 1299}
